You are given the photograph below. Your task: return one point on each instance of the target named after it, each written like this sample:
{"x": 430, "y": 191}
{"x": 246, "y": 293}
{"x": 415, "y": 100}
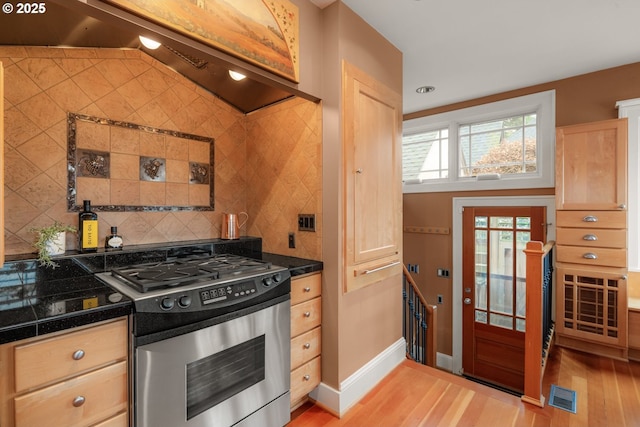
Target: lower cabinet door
{"x": 81, "y": 401}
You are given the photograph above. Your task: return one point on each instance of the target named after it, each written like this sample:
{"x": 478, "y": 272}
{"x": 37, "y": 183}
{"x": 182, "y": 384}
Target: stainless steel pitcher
{"x": 231, "y": 225}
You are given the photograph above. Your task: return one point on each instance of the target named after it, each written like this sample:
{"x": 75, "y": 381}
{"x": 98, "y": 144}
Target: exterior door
{"x": 494, "y": 291}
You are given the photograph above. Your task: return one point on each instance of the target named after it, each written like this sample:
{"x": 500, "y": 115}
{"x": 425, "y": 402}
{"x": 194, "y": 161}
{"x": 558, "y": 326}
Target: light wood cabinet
{"x": 372, "y": 138}
{"x": 306, "y": 336}
{"x": 591, "y": 166}
{"x": 634, "y": 334}
{"x": 591, "y": 270}
{"x": 77, "y": 377}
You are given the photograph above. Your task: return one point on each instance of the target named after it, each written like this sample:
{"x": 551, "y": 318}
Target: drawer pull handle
{"x": 78, "y": 354}
{"x": 590, "y": 218}
{"x": 590, "y": 255}
{"x": 590, "y": 237}
{"x": 307, "y": 345}
{"x": 307, "y": 314}
{"x": 307, "y": 289}
{"x": 78, "y": 401}
{"x": 306, "y": 377}
{"x": 376, "y": 269}
{"x": 622, "y": 206}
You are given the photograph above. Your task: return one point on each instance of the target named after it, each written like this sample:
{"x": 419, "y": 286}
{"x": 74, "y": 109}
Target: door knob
{"x": 467, "y": 301}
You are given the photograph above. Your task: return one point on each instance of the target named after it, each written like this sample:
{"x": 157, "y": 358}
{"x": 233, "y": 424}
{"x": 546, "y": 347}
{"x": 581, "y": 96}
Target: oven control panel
{"x": 214, "y": 295}
{"x": 228, "y": 292}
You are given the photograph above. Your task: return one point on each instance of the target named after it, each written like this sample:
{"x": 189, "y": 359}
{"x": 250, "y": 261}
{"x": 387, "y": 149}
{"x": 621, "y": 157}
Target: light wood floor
{"x": 608, "y": 394}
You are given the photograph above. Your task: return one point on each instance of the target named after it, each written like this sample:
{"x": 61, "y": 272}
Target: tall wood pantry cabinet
{"x": 591, "y": 215}
{"x": 372, "y": 138}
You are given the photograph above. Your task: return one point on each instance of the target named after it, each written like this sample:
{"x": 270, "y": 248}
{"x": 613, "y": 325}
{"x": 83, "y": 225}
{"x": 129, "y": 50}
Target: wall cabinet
{"x": 591, "y": 166}
{"x": 306, "y": 336}
{"x": 77, "y": 378}
{"x": 372, "y": 133}
{"x": 591, "y": 193}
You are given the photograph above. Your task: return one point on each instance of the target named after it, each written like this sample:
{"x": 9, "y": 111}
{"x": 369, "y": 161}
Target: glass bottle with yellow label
{"x": 88, "y": 229}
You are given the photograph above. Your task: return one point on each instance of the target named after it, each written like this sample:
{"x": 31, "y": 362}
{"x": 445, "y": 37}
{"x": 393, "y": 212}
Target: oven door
{"x": 235, "y": 372}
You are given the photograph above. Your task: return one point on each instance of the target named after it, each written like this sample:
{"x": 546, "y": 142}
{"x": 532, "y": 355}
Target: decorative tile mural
{"x": 268, "y": 163}
{"x": 161, "y": 156}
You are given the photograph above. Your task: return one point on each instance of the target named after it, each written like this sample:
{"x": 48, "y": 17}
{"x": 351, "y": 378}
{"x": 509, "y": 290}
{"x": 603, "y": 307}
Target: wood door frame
{"x": 455, "y": 364}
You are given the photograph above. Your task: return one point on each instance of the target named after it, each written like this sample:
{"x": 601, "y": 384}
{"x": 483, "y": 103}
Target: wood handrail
{"x": 533, "y": 368}
{"x": 431, "y": 320}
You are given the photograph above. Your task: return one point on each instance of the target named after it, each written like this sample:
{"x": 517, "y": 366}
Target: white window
{"x": 502, "y": 145}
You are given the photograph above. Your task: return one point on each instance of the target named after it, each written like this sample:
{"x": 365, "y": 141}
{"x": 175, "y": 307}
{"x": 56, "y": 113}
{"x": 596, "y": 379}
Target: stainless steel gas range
{"x": 211, "y": 341}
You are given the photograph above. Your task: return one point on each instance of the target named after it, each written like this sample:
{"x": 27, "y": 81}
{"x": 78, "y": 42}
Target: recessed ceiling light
{"x": 236, "y": 75}
{"x": 148, "y": 43}
{"x": 425, "y": 89}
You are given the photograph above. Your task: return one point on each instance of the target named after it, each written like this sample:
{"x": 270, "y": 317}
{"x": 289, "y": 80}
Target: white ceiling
{"x": 472, "y": 48}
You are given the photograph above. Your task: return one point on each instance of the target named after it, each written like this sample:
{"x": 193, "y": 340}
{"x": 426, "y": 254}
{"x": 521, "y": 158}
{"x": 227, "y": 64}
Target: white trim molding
{"x": 361, "y": 382}
{"x": 631, "y": 110}
{"x": 459, "y": 203}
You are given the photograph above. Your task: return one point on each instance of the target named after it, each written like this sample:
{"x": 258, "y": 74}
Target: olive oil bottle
{"x": 88, "y": 229}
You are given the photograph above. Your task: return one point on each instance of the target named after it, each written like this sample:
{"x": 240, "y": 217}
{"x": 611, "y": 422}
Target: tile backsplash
{"x": 267, "y": 163}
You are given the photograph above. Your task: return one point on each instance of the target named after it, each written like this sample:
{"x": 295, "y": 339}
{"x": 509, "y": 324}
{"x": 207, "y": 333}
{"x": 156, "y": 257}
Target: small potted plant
{"x": 51, "y": 241}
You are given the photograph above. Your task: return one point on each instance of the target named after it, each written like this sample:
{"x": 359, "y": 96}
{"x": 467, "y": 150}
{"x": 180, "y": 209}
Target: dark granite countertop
{"x": 35, "y": 300}
{"x": 296, "y": 266}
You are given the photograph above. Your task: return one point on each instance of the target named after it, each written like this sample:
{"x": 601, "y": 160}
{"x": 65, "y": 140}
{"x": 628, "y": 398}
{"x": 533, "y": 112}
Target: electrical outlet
{"x": 413, "y": 268}
{"x": 442, "y": 272}
{"x": 292, "y": 240}
{"x": 306, "y": 222}
{"x": 440, "y": 299}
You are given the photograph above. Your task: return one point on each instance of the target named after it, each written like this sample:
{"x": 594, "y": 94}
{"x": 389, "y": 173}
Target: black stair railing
{"x": 419, "y": 323}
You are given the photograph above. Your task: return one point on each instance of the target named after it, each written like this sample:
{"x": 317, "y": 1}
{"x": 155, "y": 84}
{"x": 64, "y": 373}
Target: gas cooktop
{"x": 185, "y": 271}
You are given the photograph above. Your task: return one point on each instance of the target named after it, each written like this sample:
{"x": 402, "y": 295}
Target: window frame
{"x": 542, "y": 103}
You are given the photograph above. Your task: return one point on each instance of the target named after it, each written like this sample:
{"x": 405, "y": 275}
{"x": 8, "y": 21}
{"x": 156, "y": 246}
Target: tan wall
{"x": 284, "y": 176}
{"x": 359, "y": 325}
{"x": 580, "y": 99}
{"x": 43, "y": 84}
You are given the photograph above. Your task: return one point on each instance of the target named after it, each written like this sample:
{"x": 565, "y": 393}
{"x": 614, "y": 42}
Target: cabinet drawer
{"x": 592, "y": 256}
{"x": 304, "y": 379}
{"x": 305, "y": 288}
{"x": 120, "y": 420}
{"x": 104, "y": 392}
{"x": 603, "y": 238}
{"x": 305, "y": 347}
{"x": 592, "y": 219}
{"x": 306, "y": 316}
{"x": 47, "y": 360}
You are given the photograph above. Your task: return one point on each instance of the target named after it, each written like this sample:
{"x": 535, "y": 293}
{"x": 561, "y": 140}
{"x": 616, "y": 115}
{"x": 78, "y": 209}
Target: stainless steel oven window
{"x": 216, "y": 378}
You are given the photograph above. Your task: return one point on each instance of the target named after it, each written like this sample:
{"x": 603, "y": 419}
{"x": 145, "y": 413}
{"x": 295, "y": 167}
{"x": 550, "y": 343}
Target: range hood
{"x": 91, "y": 23}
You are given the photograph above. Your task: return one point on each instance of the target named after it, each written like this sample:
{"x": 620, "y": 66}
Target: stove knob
{"x": 277, "y": 277}
{"x": 166, "y": 303}
{"x": 266, "y": 281}
{"x": 184, "y": 301}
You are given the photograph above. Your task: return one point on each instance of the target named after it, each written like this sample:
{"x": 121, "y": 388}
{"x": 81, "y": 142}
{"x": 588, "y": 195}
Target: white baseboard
{"x": 361, "y": 382}
{"x": 444, "y": 361}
